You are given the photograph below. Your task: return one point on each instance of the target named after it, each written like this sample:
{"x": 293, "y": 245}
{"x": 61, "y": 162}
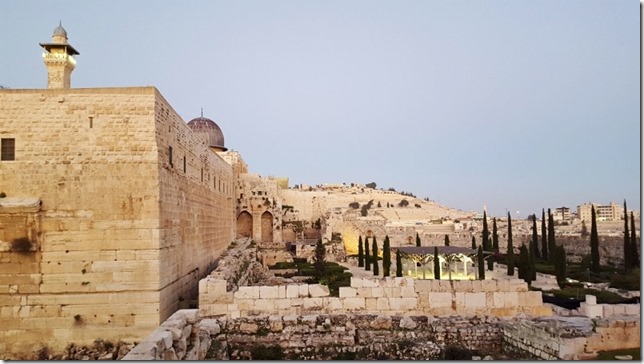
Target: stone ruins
{"x": 120, "y": 223}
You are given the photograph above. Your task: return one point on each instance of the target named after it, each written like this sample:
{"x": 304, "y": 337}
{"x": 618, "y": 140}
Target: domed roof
{"x": 209, "y": 131}
{"x": 60, "y": 31}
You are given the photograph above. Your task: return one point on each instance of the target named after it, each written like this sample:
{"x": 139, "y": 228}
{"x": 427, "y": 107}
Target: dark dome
{"x": 60, "y": 31}
{"x": 209, "y": 131}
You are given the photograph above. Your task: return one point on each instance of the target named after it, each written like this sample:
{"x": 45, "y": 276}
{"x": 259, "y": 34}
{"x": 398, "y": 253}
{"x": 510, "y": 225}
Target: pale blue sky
{"x": 519, "y": 105}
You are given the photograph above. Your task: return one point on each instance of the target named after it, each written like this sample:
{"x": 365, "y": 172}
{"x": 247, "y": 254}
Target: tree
{"x": 552, "y": 244}
{"x": 544, "y": 238}
{"x": 532, "y": 258}
{"x": 437, "y": 264}
{"x": 398, "y": 264}
{"x": 374, "y": 251}
{"x": 495, "y": 236}
{"x": 403, "y": 203}
{"x": 560, "y": 265}
{"x": 627, "y": 242}
{"x": 480, "y": 263}
{"x": 386, "y": 257}
{"x": 534, "y": 247}
{"x": 473, "y": 242}
{"x": 360, "y": 252}
{"x": 594, "y": 242}
{"x": 510, "y": 253}
{"x": 417, "y": 240}
{"x": 367, "y": 256}
{"x": 486, "y": 233}
{"x": 371, "y": 185}
{"x": 319, "y": 263}
{"x": 490, "y": 261}
{"x": 523, "y": 261}
{"x": 446, "y": 240}
{"x": 635, "y": 255}
{"x": 379, "y": 204}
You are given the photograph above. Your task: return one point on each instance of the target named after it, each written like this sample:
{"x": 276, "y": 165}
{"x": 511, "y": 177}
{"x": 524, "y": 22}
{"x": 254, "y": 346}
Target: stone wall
{"x": 390, "y": 296}
{"x": 186, "y": 336}
{"x": 113, "y": 211}
{"x": 572, "y": 338}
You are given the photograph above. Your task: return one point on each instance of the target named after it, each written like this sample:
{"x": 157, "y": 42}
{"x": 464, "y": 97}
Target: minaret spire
{"x": 59, "y": 59}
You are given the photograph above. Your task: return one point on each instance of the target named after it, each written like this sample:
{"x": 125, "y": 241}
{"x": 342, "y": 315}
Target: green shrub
{"x": 283, "y": 265}
{"x": 630, "y": 281}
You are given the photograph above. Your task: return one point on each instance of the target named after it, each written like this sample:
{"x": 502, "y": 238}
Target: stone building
{"x": 114, "y": 209}
{"x": 610, "y": 212}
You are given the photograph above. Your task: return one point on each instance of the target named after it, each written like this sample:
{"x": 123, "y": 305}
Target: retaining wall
{"x": 387, "y": 296}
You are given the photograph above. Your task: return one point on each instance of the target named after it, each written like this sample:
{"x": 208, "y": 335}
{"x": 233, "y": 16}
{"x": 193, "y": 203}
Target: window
{"x": 170, "y": 156}
{"x": 8, "y": 149}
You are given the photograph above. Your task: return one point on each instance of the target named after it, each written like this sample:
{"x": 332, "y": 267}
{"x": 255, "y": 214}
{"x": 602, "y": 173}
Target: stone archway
{"x": 267, "y": 227}
{"x": 244, "y": 225}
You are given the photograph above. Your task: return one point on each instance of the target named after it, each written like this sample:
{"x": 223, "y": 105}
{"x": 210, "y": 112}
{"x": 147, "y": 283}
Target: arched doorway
{"x": 267, "y": 227}
{"x": 244, "y": 225}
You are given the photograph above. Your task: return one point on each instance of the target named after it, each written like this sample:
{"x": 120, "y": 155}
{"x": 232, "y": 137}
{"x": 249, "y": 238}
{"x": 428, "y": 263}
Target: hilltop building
{"x": 610, "y": 212}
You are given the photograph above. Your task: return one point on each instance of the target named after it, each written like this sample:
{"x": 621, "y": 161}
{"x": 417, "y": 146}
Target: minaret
{"x": 59, "y": 59}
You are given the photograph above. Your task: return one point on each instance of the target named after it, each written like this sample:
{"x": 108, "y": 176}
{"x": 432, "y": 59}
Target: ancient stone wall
{"x": 390, "y": 296}
{"x": 187, "y": 336}
{"x": 572, "y": 338}
{"x": 113, "y": 213}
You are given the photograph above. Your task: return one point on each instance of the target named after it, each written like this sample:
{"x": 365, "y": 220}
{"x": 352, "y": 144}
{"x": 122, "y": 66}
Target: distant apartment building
{"x": 611, "y": 212}
{"x": 562, "y": 214}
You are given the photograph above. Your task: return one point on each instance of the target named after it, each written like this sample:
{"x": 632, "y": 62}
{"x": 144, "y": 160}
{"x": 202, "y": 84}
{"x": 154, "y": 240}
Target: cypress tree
{"x": 490, "y": 261}
{"x": 544, "y": 239}
{"x": 594, "y": 242}
{"x": 376, "y": 270}
{"x": 552, "y": 244}
{"x": 386, "y": 257}
{"x": 627, "y": 242}
{"x": 486, "y": 233}
{"x": 417, "y": 240}
{"x": 398, "y": 264}
{"x": 446, "y": 240}
{"x": 495, "y": 236}
{"x": 367, "y": 256}
{"x": 525, "y": 271}
{"x": 480, "y": 263}
{"x": 635, "y": 255}
{"x": 360, "y": 253}
{"x": 437, "y": 264}
{"x": 560, "y": 265}
{"x": 534, "y": 248}
{"x": 532, "y": 259}
{"x": 510, "y": 253}
{"x": 473, "y": 242}
{"x": 319, "y": 263}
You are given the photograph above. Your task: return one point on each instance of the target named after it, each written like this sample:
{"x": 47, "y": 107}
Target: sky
{"x": 516, "y": 105}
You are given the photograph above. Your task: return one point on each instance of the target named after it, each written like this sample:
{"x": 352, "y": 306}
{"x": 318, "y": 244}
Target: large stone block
{"x": 511, "y": 299}
{"x": 265, "y": 305}
{"x": 210, "y": 326}
{"x": 346, "y": 292}
{"x": 334, "y": 304}
{"x": 292, "y": 291}
{"x": 403, "y": 304}
{"x": 473, "y": 300}
{"x": 370, "y": 282}
{"x": 356, "y": 282}
{"x": 312, "y": 303}
{"x": 371, "y": 304}
{"x": 250, "y": 292}
{"x": 440, "y": 299}
{"x": 268, "y": 292}
{"x": 304, "y": 290}
{"x": 382, "y": 304}
{"x": 281, "y": 291}
{"x": 356, "y": 303}
{"x": 488, "y": 285}
{"x": 498, "y": 299}
{"x": 364, "y": 292}
{"x": 377, "y": 292}
{"x": 318, "y": 290}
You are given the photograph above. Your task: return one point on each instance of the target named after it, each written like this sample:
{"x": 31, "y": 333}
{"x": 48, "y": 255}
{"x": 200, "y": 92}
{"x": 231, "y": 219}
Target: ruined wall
{"x": 389, "y": 296}
{"x": 96, "y": 159}
{"x": 572, "y": 338}
{"x": 187, "y": 336}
